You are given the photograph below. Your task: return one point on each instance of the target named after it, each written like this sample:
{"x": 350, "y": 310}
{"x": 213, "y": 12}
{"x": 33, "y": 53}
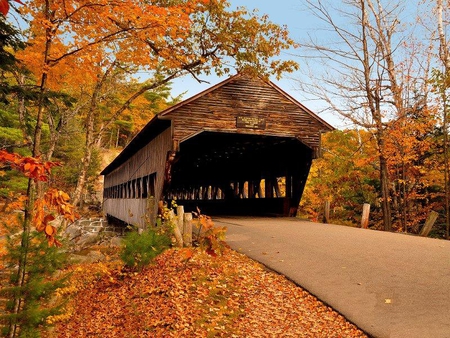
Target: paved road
{"x": 390, "y": 285}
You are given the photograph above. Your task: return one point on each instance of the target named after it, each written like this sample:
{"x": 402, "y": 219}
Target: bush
{"x": 207, "y": 236}
{"x": 37, "y": 294}
{"x": 139, "y": 250}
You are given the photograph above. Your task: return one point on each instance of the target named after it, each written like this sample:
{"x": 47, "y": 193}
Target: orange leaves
{"x": 187, "y": 253}
{"x": 209, "y": 237}
{"x": 54, "y": 201}
{"x": 174, "y": 36}
{"x": 31, "y": 167}
{"x": 8, "y": 157}
{"x": 59, "y": 200}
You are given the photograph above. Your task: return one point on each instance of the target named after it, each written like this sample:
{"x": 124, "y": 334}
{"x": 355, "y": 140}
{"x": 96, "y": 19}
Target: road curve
{"x": 388, "y": 284}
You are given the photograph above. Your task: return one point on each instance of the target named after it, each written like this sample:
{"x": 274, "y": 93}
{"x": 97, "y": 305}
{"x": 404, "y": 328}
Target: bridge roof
{"x": 241, "y": 104}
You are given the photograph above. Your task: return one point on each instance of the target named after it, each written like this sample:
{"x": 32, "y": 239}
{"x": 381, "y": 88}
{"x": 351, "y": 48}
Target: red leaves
{"x": 4, "y": 6}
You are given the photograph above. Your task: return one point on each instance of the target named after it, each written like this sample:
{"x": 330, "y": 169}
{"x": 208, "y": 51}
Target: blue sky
{"x": 282, "y": 12}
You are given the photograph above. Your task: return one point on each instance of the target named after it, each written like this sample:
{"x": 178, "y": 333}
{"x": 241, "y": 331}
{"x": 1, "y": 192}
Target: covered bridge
{"x": 243, "y": 146}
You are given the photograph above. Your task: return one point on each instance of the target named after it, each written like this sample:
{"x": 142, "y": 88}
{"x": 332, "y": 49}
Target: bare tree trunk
{"x": 21, "y": 110}
{"x": 87, "y": 157}
{"x": 446, "y": 168}
{"x": 444, "y": 55}
{"x": 385, "y": 205}
{"x": 373, "y": 94}
{"x": 55, "y": 133}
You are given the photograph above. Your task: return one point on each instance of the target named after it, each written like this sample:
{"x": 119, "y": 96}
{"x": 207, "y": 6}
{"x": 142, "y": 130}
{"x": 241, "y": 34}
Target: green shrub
{"x": 37, "y": 294}
{"x": 139, "y": 250}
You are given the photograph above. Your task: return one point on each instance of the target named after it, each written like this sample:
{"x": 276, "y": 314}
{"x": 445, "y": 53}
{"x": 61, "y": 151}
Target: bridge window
{"x": 138, "y": 188}
{"x": 280, "y": 186}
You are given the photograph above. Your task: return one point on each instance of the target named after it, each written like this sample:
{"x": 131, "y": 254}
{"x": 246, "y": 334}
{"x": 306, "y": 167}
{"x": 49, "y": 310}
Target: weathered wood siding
{"x": 148, "y": 160}
{"x": 219, "y": 109}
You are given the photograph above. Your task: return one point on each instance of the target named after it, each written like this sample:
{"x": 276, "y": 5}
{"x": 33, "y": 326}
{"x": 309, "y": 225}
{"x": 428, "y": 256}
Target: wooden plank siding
{"x": 146, "y": 161}
{"x": 246, "y": 96}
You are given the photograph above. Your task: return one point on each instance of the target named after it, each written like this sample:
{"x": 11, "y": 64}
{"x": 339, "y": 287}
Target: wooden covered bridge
{"x": 243, "y": 146}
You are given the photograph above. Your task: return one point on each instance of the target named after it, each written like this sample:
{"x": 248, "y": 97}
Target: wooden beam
{"x": 365, "y": 216}
{"x": 432, "y": 217}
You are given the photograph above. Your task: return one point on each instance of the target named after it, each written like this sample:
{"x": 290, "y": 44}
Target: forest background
{"x": 72, "y": 92}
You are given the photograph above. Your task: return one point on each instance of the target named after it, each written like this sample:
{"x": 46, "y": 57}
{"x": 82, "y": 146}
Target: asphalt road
{"x": 388, "y": 284}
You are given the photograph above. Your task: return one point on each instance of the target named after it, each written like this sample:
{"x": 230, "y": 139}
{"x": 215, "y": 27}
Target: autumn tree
{"x": 30, "y": 260}
{"x": 409, "y": 148}
{"x": 346, "y": 176}
{"x": 372, "y": 71}
{"x": 88, "y": 40}
{"x": 25, "y": 255}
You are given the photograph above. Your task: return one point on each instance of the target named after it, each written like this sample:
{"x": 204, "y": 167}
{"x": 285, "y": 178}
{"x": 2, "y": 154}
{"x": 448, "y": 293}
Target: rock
{"x": 115, "y": 242}
{"x": 87, "y": 240}
{"x": 72, "y": 232}
{"x": 96, "y": 256}
{"x": 73, "y": 258}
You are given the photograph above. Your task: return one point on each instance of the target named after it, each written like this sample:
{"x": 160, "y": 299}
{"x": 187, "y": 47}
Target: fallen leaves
{"x": 223, "y": 296}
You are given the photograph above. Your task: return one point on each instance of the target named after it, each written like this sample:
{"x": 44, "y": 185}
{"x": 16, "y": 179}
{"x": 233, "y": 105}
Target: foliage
{"x": 166, "y": 221}
{"x": 53, "y": 201}
{"x": 4, "y": 6}
{"x": 410, "y": 145}
{"x": 11, "y": 184}
{"x": 31, "y": 167}
{"x": 31, "y": 260}
{"x": 11, "y": 42}
{"x": 346, "y": 175}
{"x": 224, "y": 296}
{"x": 207, "y": 236}
{"x": 140, "y": 249}
{"x": 42, "y": 262}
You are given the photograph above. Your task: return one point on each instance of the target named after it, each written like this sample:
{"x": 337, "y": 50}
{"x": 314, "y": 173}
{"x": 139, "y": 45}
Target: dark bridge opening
{"x": 230, "y": 173}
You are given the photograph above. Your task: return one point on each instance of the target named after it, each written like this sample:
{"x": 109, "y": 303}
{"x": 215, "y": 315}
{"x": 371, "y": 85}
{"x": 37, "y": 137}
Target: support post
{"x": 269, "y": 187}
{"x": 180, "y": 215}
{"x": 326, "y": 214}
{"x": 251, "y": 189}
{"x": 365, "y": 216}
{"x": 432, "y": 217}
{"x": 176, "y": 230}
{"x": 187, "y": 229}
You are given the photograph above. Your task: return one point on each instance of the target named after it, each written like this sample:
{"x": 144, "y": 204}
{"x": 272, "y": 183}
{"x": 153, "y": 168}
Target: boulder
{"x": 96, "y": 256}
{"x": 72, "y": 232}
{"x": 87, "y": 240}
{"x": 115, "y": 242}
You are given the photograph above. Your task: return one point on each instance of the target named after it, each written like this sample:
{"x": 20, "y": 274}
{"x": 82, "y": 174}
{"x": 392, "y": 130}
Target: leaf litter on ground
{"x": 198, "y": 296}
